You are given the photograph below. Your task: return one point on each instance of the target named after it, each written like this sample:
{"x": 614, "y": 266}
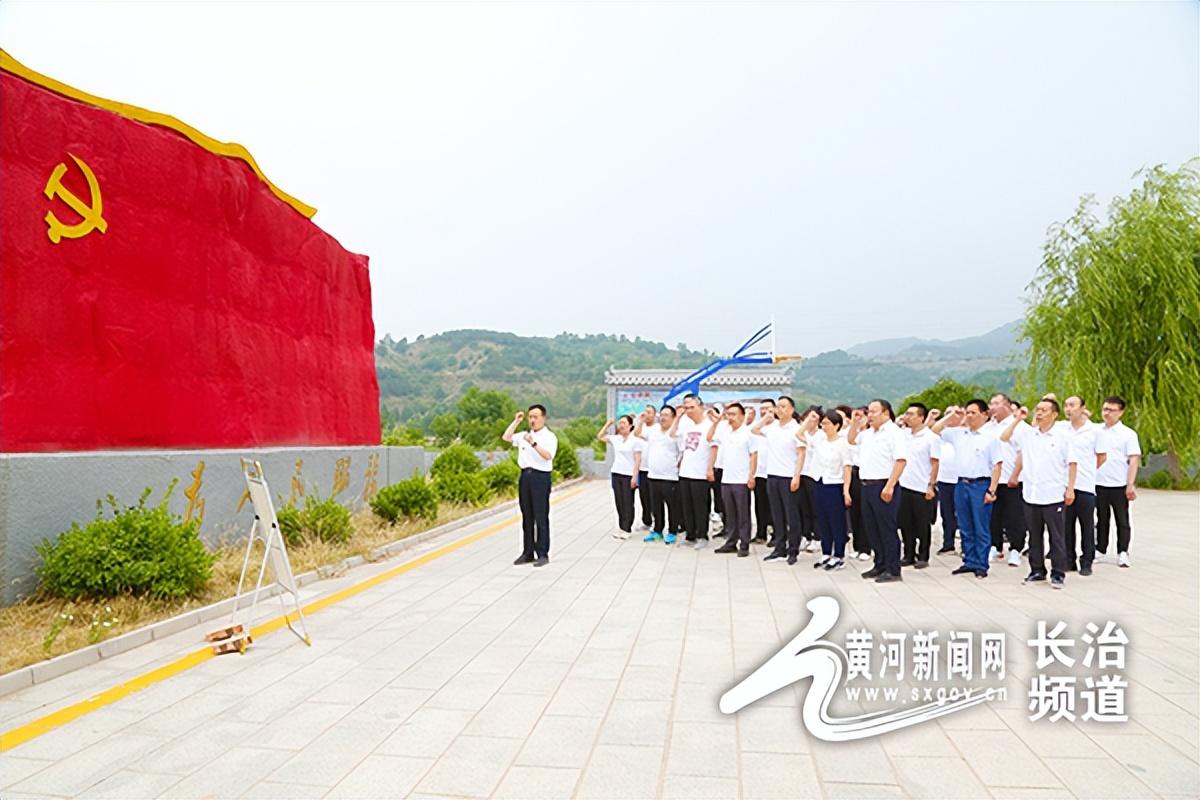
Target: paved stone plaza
{"x": 599, "y": 676}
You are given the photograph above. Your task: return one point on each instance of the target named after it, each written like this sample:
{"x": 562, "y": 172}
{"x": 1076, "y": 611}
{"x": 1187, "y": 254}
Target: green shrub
{"x": 503, "y": 476}
{"x": 140, "y": 550}
{"x": 411, "y": 498}
{"x": 1160, "y": 480}
{"x": 455, "y": 458}
{"x": 325, "y": 520}
{"x": 566, "y": 463}
{"x": 290, "y": 525}
{"x": 462, "y": 487}
{"x": 404, "y": 435}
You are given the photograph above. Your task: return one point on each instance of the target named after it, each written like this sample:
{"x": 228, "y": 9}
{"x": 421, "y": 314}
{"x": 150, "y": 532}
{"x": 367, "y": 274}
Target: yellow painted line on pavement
{"x": 56, "y": 719}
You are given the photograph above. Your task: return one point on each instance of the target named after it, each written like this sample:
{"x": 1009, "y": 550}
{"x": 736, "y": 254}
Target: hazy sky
{"x": 676, "y": 171}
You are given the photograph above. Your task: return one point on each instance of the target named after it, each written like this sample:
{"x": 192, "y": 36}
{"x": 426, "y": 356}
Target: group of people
{"x": 813, "y": 479}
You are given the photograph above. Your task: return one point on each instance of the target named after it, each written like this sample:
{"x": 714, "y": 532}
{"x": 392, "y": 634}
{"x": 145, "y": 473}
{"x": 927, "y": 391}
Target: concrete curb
{"x": 44, "y": 671}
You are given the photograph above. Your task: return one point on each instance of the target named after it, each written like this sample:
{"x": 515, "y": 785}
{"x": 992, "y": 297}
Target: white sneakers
{"x": 811, "y": 547}
{"x": 994, "y": 555}
{"x": 700, "y": 544}
{"x": 620, "y": 534}
{"x": 1014, "y": 558}
{"x": 1123, "y": 559}
{"x": 714, "y": 516}
{"x": 865, "y": 557}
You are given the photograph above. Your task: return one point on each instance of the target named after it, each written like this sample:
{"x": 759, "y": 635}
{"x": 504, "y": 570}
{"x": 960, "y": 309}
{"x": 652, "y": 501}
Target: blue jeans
{"x": 974, "y": 523}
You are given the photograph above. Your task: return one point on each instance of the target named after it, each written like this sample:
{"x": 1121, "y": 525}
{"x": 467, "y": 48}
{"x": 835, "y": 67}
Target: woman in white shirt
{"x": 829, "y": 455}
{"x": 627, "y": 461}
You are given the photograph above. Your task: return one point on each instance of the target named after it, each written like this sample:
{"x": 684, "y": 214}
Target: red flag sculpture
{"x": 156, "y": 290}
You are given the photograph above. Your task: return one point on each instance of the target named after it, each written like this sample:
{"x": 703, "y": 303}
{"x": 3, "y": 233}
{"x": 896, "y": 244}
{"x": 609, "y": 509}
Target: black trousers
{"x": 914, "y": 519}
{"x": 737, "y": 514}
{"x": 715, "y": 486}
{"x": 880, "y": 520}
{"x": 1008, "y": 518}
{"x": 1042, "y": 520}
{"x": 1082, "y": 513}
{"x": 808, "y": 507}
{"x": 862, "y": 542}
{"x": 644, "y": 497}
{"x": 945, "y": 497}
{"x": 693, "y": 502}
{"x": 533, "y": 496}
{"x": 762, "y": 508}
{"x": 1111, "y": 502}
{"x": 785, "y": 510}
{"x": 664, "y": 500}
{"x": 623, "y": 497}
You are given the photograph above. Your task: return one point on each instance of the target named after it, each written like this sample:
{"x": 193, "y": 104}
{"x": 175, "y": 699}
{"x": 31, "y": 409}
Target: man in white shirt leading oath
{"x": 535, "y": 456}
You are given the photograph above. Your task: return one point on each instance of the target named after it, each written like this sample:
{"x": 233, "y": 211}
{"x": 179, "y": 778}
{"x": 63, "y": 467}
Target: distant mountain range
{"x": 423, "y": 378}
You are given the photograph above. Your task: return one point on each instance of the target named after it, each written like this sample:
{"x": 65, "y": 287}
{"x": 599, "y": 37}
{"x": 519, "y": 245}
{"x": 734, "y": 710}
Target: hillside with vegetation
{"x": 424, "y": 379}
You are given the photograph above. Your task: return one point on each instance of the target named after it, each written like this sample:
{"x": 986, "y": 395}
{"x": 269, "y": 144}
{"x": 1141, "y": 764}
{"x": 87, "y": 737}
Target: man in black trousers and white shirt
{"x": 535, "y": 456}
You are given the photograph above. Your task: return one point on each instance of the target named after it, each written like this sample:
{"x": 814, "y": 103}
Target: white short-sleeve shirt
{"x": 624, "y": 450}
{"x": 1044, "y": 460}
{"x": 879, "y": 450}
{"x": 918, "y": 467}
{"x": 1008, "y": 450}
{"x": 722, "y": 427}
{"x": 761, "y": 472}
{"x": 975, "y": 452}
{"x": 528, "y": 458}
{"x": 661, "y": 454}
{"x": 1088, "y": 444}
{"x": 737, "y": 446}
{"x": 782, "y": 446}
{"x": 943, "y": 451}
{"x": 829, "y": 458}
{"x": 693, "y": 443}
{"x": 1120, "y": 442}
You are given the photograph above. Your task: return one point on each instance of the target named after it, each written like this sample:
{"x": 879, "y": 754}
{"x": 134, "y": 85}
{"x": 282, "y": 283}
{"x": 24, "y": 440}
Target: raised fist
{"x": 520, "y": 415}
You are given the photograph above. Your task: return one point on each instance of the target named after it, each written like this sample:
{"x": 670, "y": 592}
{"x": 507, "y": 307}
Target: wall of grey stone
{"x": 588, "y": 466}
{"x": 42, "y": 494}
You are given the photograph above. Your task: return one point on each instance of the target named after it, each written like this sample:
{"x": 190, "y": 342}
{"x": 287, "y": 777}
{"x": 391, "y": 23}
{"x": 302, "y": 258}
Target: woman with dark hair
{"x": 830, "y": 453}
{"x": 627, "y": 462}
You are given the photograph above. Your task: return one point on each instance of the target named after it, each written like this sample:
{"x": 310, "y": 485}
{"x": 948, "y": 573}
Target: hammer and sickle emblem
{"x": 92, "y": 214}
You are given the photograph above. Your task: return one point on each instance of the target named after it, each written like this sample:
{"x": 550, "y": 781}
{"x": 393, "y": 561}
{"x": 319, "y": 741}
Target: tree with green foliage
{"x": 947, "y": 392}
{"x": 404, "y": 435}
{"x": 487, "y": 406}
{"x": 446, "y": 428}
{"x": 1115, "y": 309}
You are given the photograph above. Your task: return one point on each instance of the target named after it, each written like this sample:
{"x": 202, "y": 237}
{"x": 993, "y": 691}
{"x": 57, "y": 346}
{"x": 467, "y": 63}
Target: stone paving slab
{"x": 599, "y": 676}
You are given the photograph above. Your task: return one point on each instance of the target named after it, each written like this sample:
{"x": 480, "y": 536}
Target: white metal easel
{"x": 265, "y": 528}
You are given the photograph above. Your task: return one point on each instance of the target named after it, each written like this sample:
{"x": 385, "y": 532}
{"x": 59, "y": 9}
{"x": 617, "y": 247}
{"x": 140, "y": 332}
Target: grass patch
{"x": 42, "y": 627}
